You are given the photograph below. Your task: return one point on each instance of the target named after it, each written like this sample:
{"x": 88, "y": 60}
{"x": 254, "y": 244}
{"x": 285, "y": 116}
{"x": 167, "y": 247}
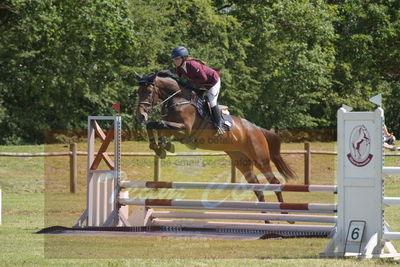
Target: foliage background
{"x": 285, "y": 64}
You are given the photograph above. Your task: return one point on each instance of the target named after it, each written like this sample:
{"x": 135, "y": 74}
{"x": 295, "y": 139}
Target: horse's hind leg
{"x": 245, "y": 166}
{"x": 259, "y": 154}
{"x": 266, "y": 169}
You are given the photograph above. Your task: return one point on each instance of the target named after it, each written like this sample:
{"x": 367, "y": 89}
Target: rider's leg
{"x": 212, "y": 95}
{"x": 216, "y": 117}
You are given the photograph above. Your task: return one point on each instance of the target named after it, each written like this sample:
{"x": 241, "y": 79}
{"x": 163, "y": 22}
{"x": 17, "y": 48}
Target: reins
{"x": 168, "y": 98}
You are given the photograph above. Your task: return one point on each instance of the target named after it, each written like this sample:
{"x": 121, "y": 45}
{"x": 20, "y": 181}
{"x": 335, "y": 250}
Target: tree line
{"x": 285, "y": 64}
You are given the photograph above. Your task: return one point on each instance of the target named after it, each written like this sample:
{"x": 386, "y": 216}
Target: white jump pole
{"x": 230, "y": 186}
{"x": 243, "y": 216}
{"x": 230, "y": 205}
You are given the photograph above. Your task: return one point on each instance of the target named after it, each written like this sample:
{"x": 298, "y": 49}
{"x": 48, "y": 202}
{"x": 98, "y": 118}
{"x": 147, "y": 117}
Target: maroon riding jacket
{"x": 199, "y": 75}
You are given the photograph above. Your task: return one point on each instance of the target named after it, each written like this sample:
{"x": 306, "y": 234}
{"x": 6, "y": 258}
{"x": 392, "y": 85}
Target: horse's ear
{"x": 137, "y": 75}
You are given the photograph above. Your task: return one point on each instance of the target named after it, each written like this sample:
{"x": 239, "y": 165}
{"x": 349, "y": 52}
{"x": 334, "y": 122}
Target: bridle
{"x": 149, "y": 81}
{"x": 153, "y": 102}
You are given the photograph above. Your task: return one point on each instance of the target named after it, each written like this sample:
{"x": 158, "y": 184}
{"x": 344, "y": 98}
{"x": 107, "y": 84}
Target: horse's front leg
{"x": 151, "y": 128}
{"x": 164, "y": 141}
{"x": 164, "y": 131}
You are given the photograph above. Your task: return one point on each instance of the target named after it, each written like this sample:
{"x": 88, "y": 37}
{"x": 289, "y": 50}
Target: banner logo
{"x": 360, "y": 145}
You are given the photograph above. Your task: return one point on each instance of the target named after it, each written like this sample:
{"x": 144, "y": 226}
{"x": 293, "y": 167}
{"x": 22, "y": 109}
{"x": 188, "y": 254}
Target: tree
{"x": 292, "y": 57}
{"x": 61, "y": 60}
{"x": 368, "y": 56}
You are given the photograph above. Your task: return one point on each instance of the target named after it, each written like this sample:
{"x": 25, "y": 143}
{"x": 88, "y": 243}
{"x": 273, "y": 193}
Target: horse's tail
{"x": 274, "y": 145}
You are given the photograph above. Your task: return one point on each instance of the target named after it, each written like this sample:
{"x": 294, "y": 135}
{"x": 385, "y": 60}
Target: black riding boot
{"x": 216, "y": 117}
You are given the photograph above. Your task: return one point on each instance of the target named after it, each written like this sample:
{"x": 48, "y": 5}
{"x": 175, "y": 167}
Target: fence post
{"x": 233, "y": 172}
{"x": 307, "y": 163}
{"x": 157, "y": 168}
{"x": 73, "y": 168}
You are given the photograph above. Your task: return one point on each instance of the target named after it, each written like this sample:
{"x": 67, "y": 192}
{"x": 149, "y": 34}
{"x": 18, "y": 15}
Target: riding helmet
{"x": 179, "y": 51}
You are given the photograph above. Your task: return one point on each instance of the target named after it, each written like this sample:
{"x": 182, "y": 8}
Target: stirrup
{"x": 220, "y": 131}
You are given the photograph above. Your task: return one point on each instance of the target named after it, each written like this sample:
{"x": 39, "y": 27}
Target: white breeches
{"x": 213, "y": 93}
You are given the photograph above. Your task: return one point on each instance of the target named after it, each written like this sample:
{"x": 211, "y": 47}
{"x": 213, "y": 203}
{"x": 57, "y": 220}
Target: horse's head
{"x": 148, "y": 96}
{"x": 153, "y": 87}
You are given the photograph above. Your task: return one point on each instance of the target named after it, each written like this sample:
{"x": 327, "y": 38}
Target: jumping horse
{"x": 247, "y": 145}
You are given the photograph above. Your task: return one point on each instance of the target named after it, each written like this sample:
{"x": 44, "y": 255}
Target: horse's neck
{"x": 181, "y": 97}
{"x": 167, "y": 87}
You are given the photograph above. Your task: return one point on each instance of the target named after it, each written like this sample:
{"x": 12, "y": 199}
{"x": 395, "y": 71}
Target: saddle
{"x": 203, "y": 109}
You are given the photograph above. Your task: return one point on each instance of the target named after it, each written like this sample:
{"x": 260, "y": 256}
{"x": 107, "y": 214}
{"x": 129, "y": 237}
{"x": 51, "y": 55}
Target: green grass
{"x": 36, "y": 194}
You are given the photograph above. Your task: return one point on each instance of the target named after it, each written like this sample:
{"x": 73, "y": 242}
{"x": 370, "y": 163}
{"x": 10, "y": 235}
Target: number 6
{"x": 355, "y": 233}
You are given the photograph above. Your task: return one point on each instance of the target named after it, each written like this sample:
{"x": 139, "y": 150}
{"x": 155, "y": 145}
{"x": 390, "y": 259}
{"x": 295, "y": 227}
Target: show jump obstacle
{"x": 356, "y": 223}
{"x": 361, "y": 229}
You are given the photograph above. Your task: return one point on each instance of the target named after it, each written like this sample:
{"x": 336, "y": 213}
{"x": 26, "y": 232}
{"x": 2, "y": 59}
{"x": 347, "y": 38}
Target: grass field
{"x": 36, "y": 195}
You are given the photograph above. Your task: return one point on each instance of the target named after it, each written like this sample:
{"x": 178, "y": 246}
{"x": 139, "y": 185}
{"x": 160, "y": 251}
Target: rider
{"x": 200, "y": 75}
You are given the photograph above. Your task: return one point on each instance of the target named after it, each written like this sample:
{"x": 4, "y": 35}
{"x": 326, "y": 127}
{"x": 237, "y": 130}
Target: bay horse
{"x": 247, "y": 145}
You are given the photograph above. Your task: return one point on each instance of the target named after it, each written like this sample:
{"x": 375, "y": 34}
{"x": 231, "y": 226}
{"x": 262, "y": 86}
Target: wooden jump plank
{"x": 99, "y": 132}
{"x": 102, "y": 154}
{"x": 108, "y": 161}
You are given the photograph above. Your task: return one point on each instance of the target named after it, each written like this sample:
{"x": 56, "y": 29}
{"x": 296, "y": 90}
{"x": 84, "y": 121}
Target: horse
{"x": 246, "y": 144}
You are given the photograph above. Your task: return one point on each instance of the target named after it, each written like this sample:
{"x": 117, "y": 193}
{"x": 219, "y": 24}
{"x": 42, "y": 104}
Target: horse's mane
{"x": 150, "y": 78}
{"x": 168, "y": 74}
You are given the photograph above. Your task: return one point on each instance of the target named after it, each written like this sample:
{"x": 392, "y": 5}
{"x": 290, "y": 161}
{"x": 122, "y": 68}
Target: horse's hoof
{"x": 153, "y": 147}
{"x": 170, "y": 147}
{"x": 161, "y": 153}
